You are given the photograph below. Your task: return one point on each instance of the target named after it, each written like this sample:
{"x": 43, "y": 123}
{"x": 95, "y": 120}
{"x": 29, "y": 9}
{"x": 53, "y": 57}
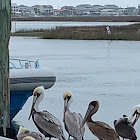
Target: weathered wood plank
{"x": 5, "y": 26}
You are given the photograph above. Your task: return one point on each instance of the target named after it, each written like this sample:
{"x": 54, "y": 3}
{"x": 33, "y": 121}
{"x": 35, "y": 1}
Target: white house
{"x": 14, "y": 8}
{"x": 83, "y": 9}
{"x": 128, "y": 11}
{"x": 46, "y": 10}
{"x": 26, "y": 11}
{"x": 37, "y": 9}
{"x": 109, "y": 12}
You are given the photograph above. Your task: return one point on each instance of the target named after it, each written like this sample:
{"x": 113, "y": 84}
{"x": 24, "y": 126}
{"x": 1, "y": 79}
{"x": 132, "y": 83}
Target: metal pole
{"x": 5, "y": 26}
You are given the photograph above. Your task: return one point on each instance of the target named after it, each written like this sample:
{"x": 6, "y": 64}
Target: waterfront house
{"x": 109, "y": 12}
{"x": 70, "y": 10}
{"x": 83, "y": 9}
{"x": 26, "y": 11}
{"x": 14, "y": 9}
{"x": 46, "y": 10}
{"x": 37, "y": 9}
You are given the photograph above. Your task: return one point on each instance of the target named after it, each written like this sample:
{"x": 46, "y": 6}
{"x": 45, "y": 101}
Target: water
{"x": 92, "y": 70}
{"x": 18, "y": 25}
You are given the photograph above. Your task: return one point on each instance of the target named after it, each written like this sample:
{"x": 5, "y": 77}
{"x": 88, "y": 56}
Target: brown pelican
{"x": 23, "y": 132}
{"x": 72, "y": 120}
{"x": 124, "y": 126}
{"x": 29, "y": 138}
{"x": 47, "y": 124}
{"x": 100, "y": 129}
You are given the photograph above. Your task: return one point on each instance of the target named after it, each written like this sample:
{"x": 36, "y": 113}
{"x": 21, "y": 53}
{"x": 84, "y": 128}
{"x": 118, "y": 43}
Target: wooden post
{"x": 5, "y": 26}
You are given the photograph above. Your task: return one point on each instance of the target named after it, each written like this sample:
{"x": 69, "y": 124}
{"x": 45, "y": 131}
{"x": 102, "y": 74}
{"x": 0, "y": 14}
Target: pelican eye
{"x": 137, "y": 112}
{"x": 37, "y": 94}
{"x": 27, "y": 131}
{"x": 67, "y": 97}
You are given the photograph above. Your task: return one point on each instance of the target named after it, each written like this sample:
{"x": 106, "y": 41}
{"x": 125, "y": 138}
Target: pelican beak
{"x": 65, "y": 104}
{"x": 137, "y": 117}
{"x": 90, "y": 108}
{"x": 33, "y": 104}
{"x": 65, "y": 108}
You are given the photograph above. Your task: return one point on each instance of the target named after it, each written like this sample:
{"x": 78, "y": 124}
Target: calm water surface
{"x": 92, "y": 70}
{"x": 18, "y": 25}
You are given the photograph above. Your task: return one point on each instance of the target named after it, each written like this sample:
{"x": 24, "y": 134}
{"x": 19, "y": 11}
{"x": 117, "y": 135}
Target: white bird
{"x": 46, "y": 123}
{"x": 29, "y": 138}
{"x": 72, "y": 120}
{"x": 23, "y": 132}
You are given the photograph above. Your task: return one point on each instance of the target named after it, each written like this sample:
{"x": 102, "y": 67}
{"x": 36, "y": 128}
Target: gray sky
{"x": 60, "y": 3}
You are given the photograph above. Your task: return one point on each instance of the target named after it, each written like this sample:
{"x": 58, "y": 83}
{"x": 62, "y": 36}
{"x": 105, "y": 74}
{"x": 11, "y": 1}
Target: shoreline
{"x": 82, "y": 18}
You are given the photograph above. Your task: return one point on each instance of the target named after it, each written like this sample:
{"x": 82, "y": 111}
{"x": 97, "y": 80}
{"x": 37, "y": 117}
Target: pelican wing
{"x": 73, "y": 121}
{"x": 103, "y": 130}
{"x": 49, "y": 123}
{"x": 80, "y": 122}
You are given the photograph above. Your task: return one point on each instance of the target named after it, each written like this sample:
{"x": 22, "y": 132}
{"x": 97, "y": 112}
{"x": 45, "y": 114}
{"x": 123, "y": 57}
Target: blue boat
{"x": 25, "y": 75}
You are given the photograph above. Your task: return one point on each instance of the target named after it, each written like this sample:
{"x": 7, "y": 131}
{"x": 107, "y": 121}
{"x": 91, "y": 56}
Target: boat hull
{"x": 22, "y": 84}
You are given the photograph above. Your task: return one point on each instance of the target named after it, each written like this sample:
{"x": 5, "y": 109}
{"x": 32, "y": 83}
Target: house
{"x": 37, "y": 9}
{"x": 96, "y": 10}
{"x": 46, "y": 10}
{"x": 83, "y": 9}
{"x": 70, "y": 10}
{"x": 111, "y": 6}
{"x": 26, "y": 11}
{"x": 14, "y": 8}
{"x": 109, "y": 12}
{"x": 128, "y": 11}
{"x": 97, "y": 7}
{"x": 138, "y": 10}
{"x": 61, "y": 12}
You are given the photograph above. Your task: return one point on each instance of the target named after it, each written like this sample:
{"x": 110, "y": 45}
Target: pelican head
{"x": 28, "y": 138}
{"x": 38, "y": 95}
{"x": 22, "y": 130}
{"x": 67, "y": 96}
{"x": 135, "y": 111}
{"x": 92, "y": 109}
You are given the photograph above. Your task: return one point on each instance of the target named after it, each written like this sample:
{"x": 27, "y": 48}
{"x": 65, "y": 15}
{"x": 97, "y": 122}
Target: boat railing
{"x": 23, "y": 64}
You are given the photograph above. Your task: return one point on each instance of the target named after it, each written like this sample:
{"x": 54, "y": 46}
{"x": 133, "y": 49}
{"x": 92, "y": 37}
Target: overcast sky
{"x": 60, "y": 3}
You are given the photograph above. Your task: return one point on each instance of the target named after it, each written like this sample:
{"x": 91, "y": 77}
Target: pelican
{"x": 29, "y": 138}
{"x": 46, "y": 123}
{"x": 72, "y": 120}
{"x": 23, "y": 132}
{"x": 100, "y": 129}
{"x": 125, "y": 127}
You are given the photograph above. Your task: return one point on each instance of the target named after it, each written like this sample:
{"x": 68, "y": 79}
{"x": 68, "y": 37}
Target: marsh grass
{"x": 130, "y": 32}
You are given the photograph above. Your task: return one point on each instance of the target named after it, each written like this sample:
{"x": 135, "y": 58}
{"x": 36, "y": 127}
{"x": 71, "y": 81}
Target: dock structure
{"x": 5, "y": 26}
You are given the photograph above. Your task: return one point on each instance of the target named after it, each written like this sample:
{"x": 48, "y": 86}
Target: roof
{"x": 47, "y": 6}
{"x": 14, "y": 4}
{"x": 22, "y": 5}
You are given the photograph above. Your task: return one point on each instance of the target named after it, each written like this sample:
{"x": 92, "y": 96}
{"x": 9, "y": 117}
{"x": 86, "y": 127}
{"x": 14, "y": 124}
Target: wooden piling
{"x": 5, "y": 26}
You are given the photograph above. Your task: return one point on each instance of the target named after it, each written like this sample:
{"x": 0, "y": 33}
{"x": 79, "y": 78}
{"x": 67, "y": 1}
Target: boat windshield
{"x": 23, "y": 64}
